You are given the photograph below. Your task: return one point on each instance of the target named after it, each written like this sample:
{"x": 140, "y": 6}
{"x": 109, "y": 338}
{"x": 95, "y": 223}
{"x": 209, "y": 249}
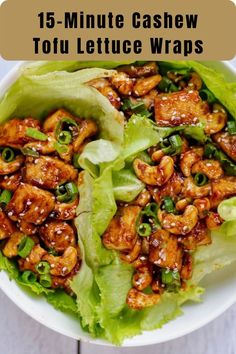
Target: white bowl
{"x": 219, "y": 296}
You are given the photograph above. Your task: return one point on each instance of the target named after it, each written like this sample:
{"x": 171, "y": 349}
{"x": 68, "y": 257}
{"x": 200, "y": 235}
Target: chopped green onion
{"x": 166, "y": 276}
{"x": 29, "y": 152}
{"x": 45, "y": 280}
{"x": 209, "y": 150}
{"x": 64, "y": 137}
{"x": 28, "y": 277}
{"x": 67, "y": 192}
{"x": 136, "y": 108}
{"x": 172, "y": 145}
{"x": 43, "y": 267}
{"x": 25, "y": 247}
{"x": 169, "y": 205}
{"x": 231, "y": 127}
{"x": 200, "y": 179}
{"x": 207, "y": 95}
{"x": 36, "y": 134}
{"x": 151, "y": 210}
{"x": 5, "y": 198}
{"x": 144, "y": 230}
{"x": 8, "y": 155}
{"x": 166, "y": 85}
{"x": 64, "y": 125}
{"x": 171, "y": 279}
{"x": 76, "y": 160}
{"x": 61, "y": 149}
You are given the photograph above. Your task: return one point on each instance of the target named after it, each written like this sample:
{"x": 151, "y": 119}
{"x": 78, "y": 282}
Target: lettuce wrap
{"x": 103, "y": 281}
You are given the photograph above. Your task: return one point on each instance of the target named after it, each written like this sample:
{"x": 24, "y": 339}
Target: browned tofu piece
{"x": 30, "y": 204}
{"x": 50, "y": 123}
{"x": 187, "y": 268}
{"x": 222, "y": 188}
{"x": 199, "y": 236}
{"x": 227, "y": 143}
{"x": 121, "y": 233}
{"x": 12, "y": 182}
{"x": 135, "y": 71}
{"x": 164, "y": 250}
{"x": 6, "y": 226}
{"x": 57, "y": 235}
{"x": 179, "y": 108}
{"x": 48, "y": 172}
{"x": 65, "y": 211}
{"x": 13, "y": 132}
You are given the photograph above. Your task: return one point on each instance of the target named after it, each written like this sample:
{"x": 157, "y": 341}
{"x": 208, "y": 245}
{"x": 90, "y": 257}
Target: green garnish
{"x": 64, "y": 137}
{"x": 172, "y": 145}
{"x": 136, "y": 108}
{"x": 25, "y": 247}
{"x": 36, "y": 134}
{"x": 28, "y": 277}
{"x": 207, "y": 95}
{"x": 45, "y": 280}
{"x": 8, "y": 155}
{"x": 67, "y": 192}
{"x": 144, "y": 230}
{"x": 76, "y": 160}
{"x": 29, "y": 152}
{"x": 5, "y": 198}
{"x": 166, "y": 85}
{"x": 43, "y": 267}
{"x": 200, "y": 179}
{"x": 169, "y": 205}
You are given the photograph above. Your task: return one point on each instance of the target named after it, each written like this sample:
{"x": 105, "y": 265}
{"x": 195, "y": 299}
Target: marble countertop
{"x": 22, "y": 335}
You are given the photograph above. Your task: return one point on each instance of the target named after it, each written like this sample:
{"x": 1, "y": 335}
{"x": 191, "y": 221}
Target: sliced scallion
{"x": 67, "y": 192}
{"x": 28, "y": 277}
{"x": 61, "y": 149}
{"x": 43, "y": 267}
{"x": 144, "y": 230}
{"x": 5, "y": 198}
{"x": 169, "y": 205}
{"x": 45, "y": 280}
{"x": 8, "y": 154}
{"x": 231, "y": 127}
{"x": 65, "y": 124}
{"x": 36, "y": 134}
{"x": 25, "y": 247}
{"x": 64, "y": 137}
{"x": 200, "y": 179}
{"x": 76, "y": 160}
{"x": 27, "y": 151}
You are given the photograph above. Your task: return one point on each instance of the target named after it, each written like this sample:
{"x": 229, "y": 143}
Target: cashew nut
{"x": 138, "y": 300}
{"x": 154, "y": 175}
{"x": 133, "y": 254}
{"x": 211, "y": 168}
{"x": 188, "y": 159}
{"x": 143, "y": 86}
{"x": 157, "y": 155}
{"x": 139, "y": 71}
{"x": 10, "y": 167}
{"x": 191, "y": 190}
{"x": 63, "y": 265}
{"x": 195, "y": 83}
{"x": 179, "y": 224}
{"x": 142, "y": 278}
{"x": 143, "y": 198}
{"x": 182, "y": 204}
{"x": 122, "y": 83}
{"x": 216, "y": 120}
{"x": 11, "y": 247}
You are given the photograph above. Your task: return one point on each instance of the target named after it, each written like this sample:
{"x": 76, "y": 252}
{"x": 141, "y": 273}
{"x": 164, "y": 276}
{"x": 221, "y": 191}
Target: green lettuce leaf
{"x": 227, "y": 209}
{"x": 62, "y": 301}
{"x": 126, "y": 186}
{"x": 11, "y": 268}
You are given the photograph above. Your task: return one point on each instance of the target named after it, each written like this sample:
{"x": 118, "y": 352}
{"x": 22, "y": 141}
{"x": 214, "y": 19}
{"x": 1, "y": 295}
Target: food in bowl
{"x": 143, "y": 160}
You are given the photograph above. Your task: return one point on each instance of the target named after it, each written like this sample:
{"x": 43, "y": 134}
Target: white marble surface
{"x": 22, "y": 335}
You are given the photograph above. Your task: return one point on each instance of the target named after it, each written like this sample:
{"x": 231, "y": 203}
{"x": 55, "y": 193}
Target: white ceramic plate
{"x": 220, "y": 286}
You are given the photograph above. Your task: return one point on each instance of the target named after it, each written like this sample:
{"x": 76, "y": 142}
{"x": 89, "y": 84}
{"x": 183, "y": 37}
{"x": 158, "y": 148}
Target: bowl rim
{"x": 10, "y": 77}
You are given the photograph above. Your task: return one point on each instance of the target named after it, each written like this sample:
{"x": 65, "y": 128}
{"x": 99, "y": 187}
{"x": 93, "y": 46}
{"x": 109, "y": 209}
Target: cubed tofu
{"x": 179, "y": 108}
{"x": 164, "y": 250}
{"x": 227, "y": 143}
{"x": 121, "y": 233}
{"x": 222, "y": 188}
{"x": 48, "y": 172}
{"x": 57, "y": 235}
{"x": 13, "y": 132}
{"x": 6, "y": 226}
{"x": 30, "y": 204}
{"x": 12, "y": 182}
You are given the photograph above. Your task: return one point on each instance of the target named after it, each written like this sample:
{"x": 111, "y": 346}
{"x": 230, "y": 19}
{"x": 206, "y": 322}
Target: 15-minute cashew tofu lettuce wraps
{"x": 118, "y": 188}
